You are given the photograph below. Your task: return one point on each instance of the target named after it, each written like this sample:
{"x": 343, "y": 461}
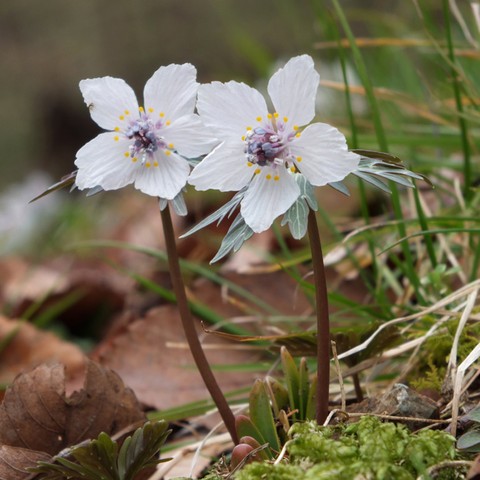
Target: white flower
{"x": 145, "y": 145}
{"x": 262, "y": 150}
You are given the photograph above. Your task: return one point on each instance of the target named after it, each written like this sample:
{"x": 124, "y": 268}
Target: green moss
{"x": 375, "y": 450}
{"x": 267, "y": 471}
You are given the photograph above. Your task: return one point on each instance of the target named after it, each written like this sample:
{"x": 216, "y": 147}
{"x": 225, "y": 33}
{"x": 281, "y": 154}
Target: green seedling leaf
{"x": 474, "y": 414}
{"x": 292, "y": 380}
{"x": 312, "y": 400}
{"x": 101, "y": 459}
{"x": 278, "y": 394}
{"x": 470, "y": 441}
{"x": 246, "y": 428}
{"x": 261, "y": 414}
{"x": 303, "y": 390}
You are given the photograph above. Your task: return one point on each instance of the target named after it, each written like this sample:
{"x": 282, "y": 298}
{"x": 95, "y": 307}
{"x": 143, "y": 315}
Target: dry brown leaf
{"x": 14, "y": 461}
{"x": 30, "y": 346}
{"x": 153, "y": 359}
{"x": 36, "y": 413}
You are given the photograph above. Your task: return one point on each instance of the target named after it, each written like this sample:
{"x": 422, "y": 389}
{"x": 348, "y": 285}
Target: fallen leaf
{"x": 29, "y": 347}
{"x": 152, "y": 358}
{"x": 15, "y": 460}
{"x": 37, "y": 415}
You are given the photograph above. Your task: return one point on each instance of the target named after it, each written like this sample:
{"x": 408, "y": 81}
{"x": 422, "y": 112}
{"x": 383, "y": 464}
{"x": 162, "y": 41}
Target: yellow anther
{"x": 150, "y": 110}
{"x": 126, "y": 154}
{"x": 298, "y": 135}
{"x": 268, "y": 176}
{"x": 249, "y": 128}
{"x": 170, "y": 145}
{"x": 299, "y": 159}
{"x": 285, "y": 119}
{"x": 168, "y": 152}
{"x": 141, "y": 109}
{"x": 134, "y": 159}
{"x": 117, "y": 129}
{"x": 269, "y": 115}
{"x": 249, "y": 164}
{"x": 257, "y": 171}
{"x": 276, "y": 178}
{"x": 243, "y": 137}
{"x": 168, "y": 122}
{"x": 293, "y": 169}
{"x": 162, "y": 114}
{"x": 116, "y": 138}
{"x": 148, "y": 164}
{"x": 155, "y": 164}
{"x": 126, "y": 112}
{"x": 259, "y": 119}
{"x": 121, "y": 117}
{"x": 295, "y": 127}
{"x": 275, "y": 115}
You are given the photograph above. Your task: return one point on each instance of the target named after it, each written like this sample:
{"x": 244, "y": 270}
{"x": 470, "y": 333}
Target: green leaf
{"x": 292, "y": 379}
{"x": 218, "y": 215}
{"x": 312, "y": 400}
{"x": 178, "y": 204}
{"x": 303, "y": 390}
{"x": 246, "y": 428}
{"x": 66, "y": 181}
{"x": 101, "y": 459}
{"x": 470, "y": 441}
{"x": 474, "y": 414}
{"x": 261, "y": 414}
{"x": 237, "y": 234}
{"x": 297, "y": 219}
{"x": 278, "y": 394}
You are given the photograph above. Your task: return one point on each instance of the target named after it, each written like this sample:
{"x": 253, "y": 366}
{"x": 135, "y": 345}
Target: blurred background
{"x": 48, "y": 47}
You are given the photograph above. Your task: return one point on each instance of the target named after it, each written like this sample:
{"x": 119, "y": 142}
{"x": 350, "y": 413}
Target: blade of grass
{"x": 185, "y": 265}
{"x": 467, "y": 169}
{"x": 408, "y": 266}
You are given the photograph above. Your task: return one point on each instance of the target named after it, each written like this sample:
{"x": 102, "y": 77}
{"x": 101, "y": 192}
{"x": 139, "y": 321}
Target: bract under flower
{"x": 264, "y": 150}
{"x": 145, "y": 145}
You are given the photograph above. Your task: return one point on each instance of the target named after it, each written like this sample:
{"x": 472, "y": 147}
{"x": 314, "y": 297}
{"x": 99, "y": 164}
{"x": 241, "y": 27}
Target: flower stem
{"x": 323, "y": 320}
{"x": 190, "y": 330}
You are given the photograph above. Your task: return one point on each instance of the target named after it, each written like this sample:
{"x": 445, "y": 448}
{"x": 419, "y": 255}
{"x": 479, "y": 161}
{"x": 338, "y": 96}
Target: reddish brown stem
{"x": 323, "y": 321}
{"x": 190, "y": 330}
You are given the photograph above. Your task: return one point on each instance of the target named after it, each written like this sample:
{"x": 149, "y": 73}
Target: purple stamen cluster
{"x": 145, "y": 140}
{"x": 263, "y": 146}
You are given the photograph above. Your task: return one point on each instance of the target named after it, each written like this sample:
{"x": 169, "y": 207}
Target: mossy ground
{"x": 368, "y": 449}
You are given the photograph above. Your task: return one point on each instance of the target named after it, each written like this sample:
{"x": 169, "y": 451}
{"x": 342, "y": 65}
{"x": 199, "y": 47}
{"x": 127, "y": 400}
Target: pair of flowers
{"x": 248, "y": 148}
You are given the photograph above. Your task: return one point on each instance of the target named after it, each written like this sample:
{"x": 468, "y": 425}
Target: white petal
{"x": 165, "y": 180}
{"x": 225, "y": 169}
{"x": 102, "y": 162}
{"x": 267, "y": 198}
{"x": 172, "y": 90}
{"x": 293, "y": 90}
{"x": 324, "y": 154}
{"x": 189, "y": 136}
{"x": 110, "y": 100}
{"x": 229, "y": 108}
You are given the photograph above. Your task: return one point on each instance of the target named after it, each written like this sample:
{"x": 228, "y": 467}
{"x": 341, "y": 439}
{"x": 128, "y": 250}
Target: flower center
{"x": 144, "y": 136}
{"x": 264, "y": 146}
